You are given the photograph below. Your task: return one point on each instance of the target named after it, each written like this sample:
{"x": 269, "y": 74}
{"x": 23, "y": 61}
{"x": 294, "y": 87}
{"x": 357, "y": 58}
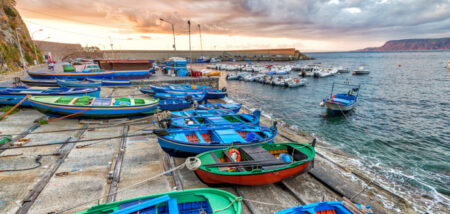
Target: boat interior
{"x": 218, "y": 120}
{"x": 170, "y": 206}
{"x": 92, "y": 101}
{"x": 221, "y": 136}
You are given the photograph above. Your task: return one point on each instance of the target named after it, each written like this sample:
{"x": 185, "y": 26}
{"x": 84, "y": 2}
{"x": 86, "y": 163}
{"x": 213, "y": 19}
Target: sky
{"x": 307, "y": 25}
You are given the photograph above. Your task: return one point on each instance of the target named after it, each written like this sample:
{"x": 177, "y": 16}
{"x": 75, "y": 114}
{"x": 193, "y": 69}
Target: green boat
{"x": 253, "y": 165}
{"x": 92, "y": 107}
{"x": 205, "y": 200}
{"x": 68, "y": 68}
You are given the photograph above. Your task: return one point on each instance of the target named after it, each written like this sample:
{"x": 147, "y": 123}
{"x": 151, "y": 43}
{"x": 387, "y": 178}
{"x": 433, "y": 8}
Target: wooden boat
{"x": 78, "y": 84}
{"x": 343, "y": 102}
{"x": 70, "y": 75}
{"x": 111, "y": 82}
{"x": 230, "y": 107}
{"x": 13, "y": 95}
{"x": 91, "y": 107}
{"x": 203, "y": 113}
{"x": 206, "y": 200}
{"x": 174, "y": 104}
{"x": 253, "y": 165}
{"x": 210, "y": 93}
{"x": 192, "y": 86}
{"x": 187, "y": 96}
{"x": 39, "y": 82}
{"x": 147, "y": 91}
{"x": 332, "y": 207}
{"x": 192, "y": 141}
{"x": 223, "y": 120}
{"x": 362, "y": 70}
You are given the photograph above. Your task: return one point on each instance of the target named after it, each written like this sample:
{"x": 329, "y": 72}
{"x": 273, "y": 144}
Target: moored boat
{"x": 187, "y": 96}
{"x": 337, "y": 207}
{"x": 91, "y": 107}
{"x": 111, "y": 82}
{"x": 39, "y": 82}
{"x": 13, "y": 95}
{"x": 230, "y": 107}
{"x": 222, "y": 120}
{"x": 192, "y": 141}
{"x": 174, "y": 104}
{"x": 253, "y": 165}
{"x": 206, "y": 200}
{"x": 342, "y": 102}
{"x": 362, "y": 70}
{"x": 70, "y": 75}
{"x": 203, "y": 113}
{"x": 78, "y": 84}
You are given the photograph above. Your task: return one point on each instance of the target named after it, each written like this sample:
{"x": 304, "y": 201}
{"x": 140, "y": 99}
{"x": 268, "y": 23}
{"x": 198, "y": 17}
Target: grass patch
{"x": 7, "y": 108}
{"x": 43, "y": 122}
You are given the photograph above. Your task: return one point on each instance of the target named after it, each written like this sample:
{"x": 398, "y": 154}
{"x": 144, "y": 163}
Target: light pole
{"x": 20, "y": 48}
{"x": 34, "y": 44}
{"x": 173, "y": 32}
{"x": 201, "y": 44}
{"x": 190, "y": 51}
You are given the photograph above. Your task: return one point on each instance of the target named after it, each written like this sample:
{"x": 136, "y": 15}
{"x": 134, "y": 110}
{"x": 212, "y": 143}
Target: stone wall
{"x": 59, "y": 51}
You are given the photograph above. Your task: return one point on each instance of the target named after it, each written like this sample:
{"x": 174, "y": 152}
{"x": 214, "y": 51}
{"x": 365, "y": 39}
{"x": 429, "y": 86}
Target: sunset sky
{"x": 310, "y": 25}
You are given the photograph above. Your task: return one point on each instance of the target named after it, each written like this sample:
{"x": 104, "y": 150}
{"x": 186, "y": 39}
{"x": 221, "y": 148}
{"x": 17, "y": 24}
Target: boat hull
{"x": 216, "y": 95}
{"x": 131, "y": 74}
{"x": 234, "y": 109}
{"x": 70, "y": 84}
{"x": 251, "y": 180}
{"x": 13, "y": 99}
{"x": 173, "y": 104}
{"x": 111, "y": 83}
{"x": 360, "y": 72}
{"x": 334, "y": 107}
{"x": 94, "y": 112}
{"x": 72, "y": 75}
{"x": 40, "y": 82}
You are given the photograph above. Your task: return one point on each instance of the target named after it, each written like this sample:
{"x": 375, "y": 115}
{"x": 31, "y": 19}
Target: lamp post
{"x": 173, "y": 32}
{"x": 34, "y": 45}
{"x": 201, "y": 43}
{"x": 190, "y": 51}
{"x": 20, "y": 48}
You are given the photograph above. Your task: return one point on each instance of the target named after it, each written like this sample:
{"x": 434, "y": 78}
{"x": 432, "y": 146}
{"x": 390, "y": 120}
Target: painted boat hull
{"x": 173, "y": 104}
{"x": 339, "y": 108}
{"x": 360, "y": 72}
{"x": 165, "y": 96}
{"x": 234, "y": 109}
{"x": 71, "y": 75}
{"x": 131, "y": 74}
{"x": 94, "y": 112}
{"x": 252, "y": 180}
{"x": 197, "y": 113}
{"x": 216, "y": 94}
{"x": 111, "y": 82}
{"x": 322, "y": 207}
{"x": 247, "y": 119}
{"x": 40, "y": 82}
{"x": 78, "y": 84}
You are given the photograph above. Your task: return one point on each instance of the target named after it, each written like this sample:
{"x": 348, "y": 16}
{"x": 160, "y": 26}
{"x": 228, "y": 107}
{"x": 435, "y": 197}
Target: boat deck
{"x": 112, "y": 160}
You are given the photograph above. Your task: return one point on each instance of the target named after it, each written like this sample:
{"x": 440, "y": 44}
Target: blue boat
{"x": 203, "y": 113}
{"x": 111, "y": 82}
{"x": 187, "y": 96}
{"x": 174, "y": 104}
{"x": 39, "y": 82}
{"x": 230, "y": 107}
{"x": 78, "y": 84}
{"x": 223, "y": 120}
{"x": 342, "y": 102}
{"x": 210, "y": 93}
{"x": 131, "y": 74}
{"x": 13, "y": 95}
{"x": 147, "y": 91}
{"x": 71, "y": 75}
{"x": 192, "y": 86}
{"x": 193, "y": 141}
{"x": 324, "y": 207}
{"x": 91, "y": 107}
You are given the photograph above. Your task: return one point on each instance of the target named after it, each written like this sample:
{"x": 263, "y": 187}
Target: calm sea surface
{"x": 401, "y": 128}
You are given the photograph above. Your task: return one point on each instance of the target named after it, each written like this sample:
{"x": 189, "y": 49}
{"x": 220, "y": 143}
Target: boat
{"x": 147, "y": 91}
{"x": 203, "y": 113}
{"x": 216, "y": 120}
{"x": 253, "y": 165}
{"x": 13, "y": 95}
{"x": 174, "y": 89}
{"x": 296, "y": 82}
{"x": 70, "y": 75}
{"x": 205, "y": 200}
{"x": 342, "y": 102}
{"x": 343, "y": 70}
{"x": 362, "y": 70}
{"x": 174, "y": 104}
{"x": 191, "y": 86}
{"x": 324, "y": 207}
{"x": 67, "y": 67}
{"x": 237, "y": 76}
{"x": 39, "y": 82}
{"x": 192, "y": 141}
{"x": 111, "y": 82}
{"x": 186, "y": 96}
{"x": 78, "y": 84}
{"x": 92, "y": 107}
{"x": 230, "y": 107}
{"x": 210, "y": 73}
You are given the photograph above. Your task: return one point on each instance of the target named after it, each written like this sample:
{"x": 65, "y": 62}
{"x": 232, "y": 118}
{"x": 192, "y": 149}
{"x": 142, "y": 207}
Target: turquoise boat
{"x": 78, "y": 84}
{"x": 223, "y": 120}
{"x": 328, "y": 207}
{"x": 203, "y": 113}
{"x": 206, "y": 200}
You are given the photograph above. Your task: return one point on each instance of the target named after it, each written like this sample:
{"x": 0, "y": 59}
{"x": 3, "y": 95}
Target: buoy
{"x": 399, "y": 65}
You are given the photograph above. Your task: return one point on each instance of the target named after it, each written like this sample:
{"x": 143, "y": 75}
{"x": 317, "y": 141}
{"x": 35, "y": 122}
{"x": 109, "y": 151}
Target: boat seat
{"x": 73, "y": 101}
{"x": 225, "y": 153}
{"x": 102, "y": 102}
{"x": 257, "y": 153}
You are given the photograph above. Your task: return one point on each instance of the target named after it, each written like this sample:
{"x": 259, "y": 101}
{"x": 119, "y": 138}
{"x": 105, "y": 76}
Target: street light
{"x": 20, "y": 48}
{"x": 190, "y": 52}
{"x": 173, "y": 32}
{"x": 34, "y": 44}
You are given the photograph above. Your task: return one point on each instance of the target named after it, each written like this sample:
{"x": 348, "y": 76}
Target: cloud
{"x": 308, "y": 19}
{"x": 146, "y": 37}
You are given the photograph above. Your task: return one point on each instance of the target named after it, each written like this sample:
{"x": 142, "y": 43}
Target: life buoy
{"x": 236, "y": 153}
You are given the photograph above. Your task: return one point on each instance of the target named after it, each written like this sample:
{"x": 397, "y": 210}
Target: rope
{"x": 70, "y": 115}
{"x": 124, "y": 189}
{"x": 229, "y": 205}
{"x": 265, "y": 203}
{"x": 193, "y": 163}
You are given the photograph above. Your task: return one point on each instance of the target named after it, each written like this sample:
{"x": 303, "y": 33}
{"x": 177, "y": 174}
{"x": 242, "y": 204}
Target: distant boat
{"x": 206, "y": 200}
{"x": 222, "y": 120}
{"x": 13, "y": 95}
{"x": 203, "y": 113}
{"x": 362, "y": 70}
{"x": 78, "y": 84}
{"x": 192, "y": 141}
{"x": 296, "y": 83}
{"x": 343, "y": 102}
{"x": 230, "y": 107}
{"x": 253, "y": 165}
{"x": 339, "y": 207}
{"x": 343, "y": 70}
{"x": 91, "y": 107}
{"x": 39, "y": 82}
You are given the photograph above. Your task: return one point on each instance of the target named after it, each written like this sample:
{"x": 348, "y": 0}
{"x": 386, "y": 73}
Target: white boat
{"x": 296, "y": 82}
{"x": 362, "y": 70}
{"x": 343, "y": 70}
{"x": 211, "y": 66}
{"x": 237, "y": 76}
{"x": 279, "y": 82}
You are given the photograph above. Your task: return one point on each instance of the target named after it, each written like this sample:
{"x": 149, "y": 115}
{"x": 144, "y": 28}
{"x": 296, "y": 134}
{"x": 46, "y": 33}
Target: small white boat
{"x": 237, "y": 76}
{"x": 296, "y": 82}
{"x": 362, "y": 70}
{"x": 343, "y": 70}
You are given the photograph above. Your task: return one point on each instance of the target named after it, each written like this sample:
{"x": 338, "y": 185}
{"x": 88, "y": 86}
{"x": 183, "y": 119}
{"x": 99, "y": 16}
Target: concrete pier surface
{"x": 75, "y": 176}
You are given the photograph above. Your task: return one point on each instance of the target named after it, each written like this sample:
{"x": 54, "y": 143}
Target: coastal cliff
{"x": 413, "y": 44}
{"x": 9, "y": 50}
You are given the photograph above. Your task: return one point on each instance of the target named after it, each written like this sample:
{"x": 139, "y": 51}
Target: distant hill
{"x": 413, "y": 44}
